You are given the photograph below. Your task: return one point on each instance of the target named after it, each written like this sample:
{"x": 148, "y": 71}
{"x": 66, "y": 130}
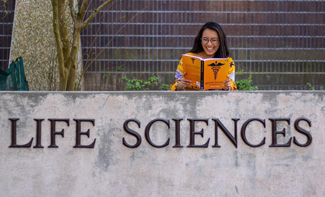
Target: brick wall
{"x": 6, "y": 24}
{"x": 280, "y": 43}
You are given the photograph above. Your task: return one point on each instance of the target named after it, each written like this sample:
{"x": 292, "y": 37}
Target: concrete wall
{"x": 111, "y": 168}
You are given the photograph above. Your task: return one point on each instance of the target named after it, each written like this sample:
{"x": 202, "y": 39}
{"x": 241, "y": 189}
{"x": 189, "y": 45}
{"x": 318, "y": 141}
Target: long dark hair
{"x": 223, "y": 50}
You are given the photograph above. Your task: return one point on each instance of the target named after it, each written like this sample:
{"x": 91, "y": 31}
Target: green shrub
{"x": 246, "y": 84}
{"x": 164, "y": 87}
{"x": 138, "y": 84}
{"x": 310, "y": 86}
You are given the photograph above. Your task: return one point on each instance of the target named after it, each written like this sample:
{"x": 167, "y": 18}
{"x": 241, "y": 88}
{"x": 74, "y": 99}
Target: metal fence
{"x": 6, "y": 25}
{"x": 279, "y": 43}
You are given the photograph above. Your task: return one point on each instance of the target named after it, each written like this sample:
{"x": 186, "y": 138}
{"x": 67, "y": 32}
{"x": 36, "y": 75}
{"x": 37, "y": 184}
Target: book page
{"x": 192, "y": 67}
{"x": 216, "y": 72}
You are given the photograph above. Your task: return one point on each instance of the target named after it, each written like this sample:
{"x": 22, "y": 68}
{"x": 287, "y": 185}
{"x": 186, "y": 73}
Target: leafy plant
{"x": 120, "y": 68}
{"x": 5, "y": 2}
{"x": 138, "y": 84}
{"x": 240, "y": 72}
{"x": 164, "y": 87}
{"x": 246, "y": 84}
{"x": 310, "y": 86}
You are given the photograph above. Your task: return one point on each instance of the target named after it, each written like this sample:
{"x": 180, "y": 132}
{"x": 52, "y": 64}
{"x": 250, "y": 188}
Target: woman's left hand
{"x": 227, "y": 84}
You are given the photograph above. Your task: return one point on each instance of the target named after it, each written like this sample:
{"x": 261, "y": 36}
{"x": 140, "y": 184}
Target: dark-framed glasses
{"x": 206, "y": 40}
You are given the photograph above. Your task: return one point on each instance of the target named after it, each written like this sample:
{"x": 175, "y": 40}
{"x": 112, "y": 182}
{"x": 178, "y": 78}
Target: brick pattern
{"x": 6, "y": 24}
{"x": 281, "y": 43}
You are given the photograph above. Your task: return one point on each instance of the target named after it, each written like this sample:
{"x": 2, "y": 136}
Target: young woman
{"x": 210, "y": 42}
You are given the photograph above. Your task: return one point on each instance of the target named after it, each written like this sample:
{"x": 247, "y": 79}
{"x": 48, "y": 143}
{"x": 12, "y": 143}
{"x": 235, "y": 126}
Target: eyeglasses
{"x": 206, "y": 40}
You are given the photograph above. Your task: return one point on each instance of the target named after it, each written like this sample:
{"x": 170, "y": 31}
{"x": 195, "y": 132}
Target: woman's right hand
{"x": 183, "y": 83}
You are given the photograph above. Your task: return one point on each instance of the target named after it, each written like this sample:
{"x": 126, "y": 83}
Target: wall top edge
{"x": 163, "y": 92}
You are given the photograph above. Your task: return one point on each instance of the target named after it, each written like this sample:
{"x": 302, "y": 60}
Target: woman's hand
{"x": 183, "y": 83}
{"x": 227, "y": 84}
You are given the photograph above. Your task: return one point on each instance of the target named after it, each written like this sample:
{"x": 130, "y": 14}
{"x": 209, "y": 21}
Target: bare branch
{"x": 90, "y": 18}
{"x": 71, "y": 63}
{"x": 82, "y": 9}
{"x": 94, "y": 40}
{"x": 85, "y": 11}
{"x": 64, "y": 29}
{"x": 72, "y": 10}
{"x": 59, "y": 47}
{"x": 87, "y": 66}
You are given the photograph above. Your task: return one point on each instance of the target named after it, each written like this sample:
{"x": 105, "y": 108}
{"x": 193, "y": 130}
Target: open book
{"x": 208, "y": 73}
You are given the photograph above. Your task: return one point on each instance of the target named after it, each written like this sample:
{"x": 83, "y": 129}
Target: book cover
{"x": 207, "y": 74}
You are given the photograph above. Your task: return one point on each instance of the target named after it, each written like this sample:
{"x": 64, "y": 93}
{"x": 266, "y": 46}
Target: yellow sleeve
{"x": 232, "y": 75}
{"x": 178, "y": 75}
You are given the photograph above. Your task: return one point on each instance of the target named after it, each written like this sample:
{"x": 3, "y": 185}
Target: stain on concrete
{"x": 106, "y": 152}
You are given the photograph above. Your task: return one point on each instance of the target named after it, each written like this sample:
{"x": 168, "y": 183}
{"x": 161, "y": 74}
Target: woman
{"x": 210, "y": 42}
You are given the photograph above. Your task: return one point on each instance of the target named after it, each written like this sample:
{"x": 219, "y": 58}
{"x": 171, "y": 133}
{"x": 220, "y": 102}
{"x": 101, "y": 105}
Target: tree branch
{"x": 72, "y": 10}
{"x": 90, "y": 18}
{"x": 64, "y": 28}
{"x": 87, "y": 65}
{"x": 59, "y": 47}
{"x": 71, "y": 63}
{"x": 82, "y": 9}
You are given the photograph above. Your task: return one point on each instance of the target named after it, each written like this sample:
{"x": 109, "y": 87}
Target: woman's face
{"x": 210, "y": 42}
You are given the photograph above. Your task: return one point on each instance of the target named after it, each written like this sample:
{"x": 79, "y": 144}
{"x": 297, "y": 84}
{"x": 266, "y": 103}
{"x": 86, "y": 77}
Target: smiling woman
{"x": 210, "y": 42}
